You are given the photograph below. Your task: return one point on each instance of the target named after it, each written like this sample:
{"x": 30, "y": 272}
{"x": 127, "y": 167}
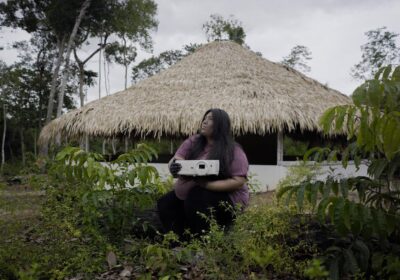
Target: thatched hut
{"x": 264, "y": 100}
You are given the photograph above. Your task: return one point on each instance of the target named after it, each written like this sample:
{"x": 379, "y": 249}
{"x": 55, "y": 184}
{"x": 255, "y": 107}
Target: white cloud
{"x": 332, "y": 30}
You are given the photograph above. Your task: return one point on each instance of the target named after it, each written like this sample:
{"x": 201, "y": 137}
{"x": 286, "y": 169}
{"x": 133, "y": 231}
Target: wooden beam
{"x": 279, "y": 155}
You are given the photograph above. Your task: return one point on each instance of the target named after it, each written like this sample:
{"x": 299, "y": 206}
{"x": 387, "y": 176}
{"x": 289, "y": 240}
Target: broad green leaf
{"x": 334, "y": 269}
{"x": 313, "y": 194}
{"x": 344, "y": 188}
{"x": 377, "y": 260}
{"x": 281, "y": 191}
{"x": 335, "y": 188}
{"x": 332, "y": 156}
{"x": 359, "y": 94}
{"x": 364, "y": 253}
{"x": 374, "y": 94}
{"x": 300, "y": 197}
{"x": 386, "y": 72}
{"x": 380, "y": 219}
{"x": 326, "y": 119}
{"x": 327, "y": 188}
{"x": 376, "y": 167}
{"x": 378, "y": 73}
{"x": 357, "y": 161}
{"x": 396, "y": 74}
{"x": 66, "y": 151}
{"x": 351, "y": 119}
{"x": 345, "y": 157}
{"x": 391, "y": 137}
{"x": 341, "y": 113}
{"x": 338, "y": 215}
{"x": 394, "y": 167}
{"x": 350, "y": 261}
{"x": 346, "y": 214}
{"x": 331, "y": 209}
{"x": 355, "y": 219}
{"x": 312, "y": 151}
{"x": 289, "y": 195}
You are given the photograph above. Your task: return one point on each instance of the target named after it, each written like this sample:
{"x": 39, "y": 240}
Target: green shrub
{"x": 105, "y": 196}
{"x": 365, "y": 228}
{"x": 89, "y": 208}
{"x": 265, "y": 241}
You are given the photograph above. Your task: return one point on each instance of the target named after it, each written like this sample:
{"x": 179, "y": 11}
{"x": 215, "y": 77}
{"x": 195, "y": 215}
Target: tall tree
{"x": 121, "y": 54}
{"x": 86, "y": 77}
{"x": 70, "y": 46}
{"x": 3, "y": 68}
{"x": 58, "y": 18}
{"x": 153, "y": 65}
{"x": 25, "y": 88}
{"x": 297, "y": 59}
{"x": 380, "y": 50}
{"x": 218, "y": 28}
{"x": 53, "y": 19}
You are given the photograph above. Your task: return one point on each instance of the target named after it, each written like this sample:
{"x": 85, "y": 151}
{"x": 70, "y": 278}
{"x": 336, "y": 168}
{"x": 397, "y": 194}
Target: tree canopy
{"x": 218, "y": 28}
{"x": 381, "y": 49}
{"x": 297, "y": 59}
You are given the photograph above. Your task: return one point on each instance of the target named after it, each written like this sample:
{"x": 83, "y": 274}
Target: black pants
{"x": 178, "y": 215}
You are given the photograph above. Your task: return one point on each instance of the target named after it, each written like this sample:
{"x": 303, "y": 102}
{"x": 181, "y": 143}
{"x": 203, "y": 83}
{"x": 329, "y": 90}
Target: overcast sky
{"x": 332, "y": 30}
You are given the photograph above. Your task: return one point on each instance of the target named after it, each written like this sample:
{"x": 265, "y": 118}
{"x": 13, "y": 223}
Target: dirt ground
{"x": 19, "y": 202}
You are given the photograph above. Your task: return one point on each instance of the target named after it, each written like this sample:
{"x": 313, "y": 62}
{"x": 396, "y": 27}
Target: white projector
{"x": 198, "y": 167}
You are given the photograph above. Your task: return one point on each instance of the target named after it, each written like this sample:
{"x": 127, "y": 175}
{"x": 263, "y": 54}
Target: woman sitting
{"x": 181, "y": 208}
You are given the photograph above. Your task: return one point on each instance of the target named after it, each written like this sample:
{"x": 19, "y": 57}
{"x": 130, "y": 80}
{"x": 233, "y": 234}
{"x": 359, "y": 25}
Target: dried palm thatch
{"x": 260, "y": 96}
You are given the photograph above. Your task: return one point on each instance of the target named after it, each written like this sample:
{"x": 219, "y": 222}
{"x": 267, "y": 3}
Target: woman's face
{"x": 207, "y": 125}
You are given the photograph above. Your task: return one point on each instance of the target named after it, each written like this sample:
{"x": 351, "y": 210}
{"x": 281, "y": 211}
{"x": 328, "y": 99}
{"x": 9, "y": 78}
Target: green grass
{"x": 263, "y": 243}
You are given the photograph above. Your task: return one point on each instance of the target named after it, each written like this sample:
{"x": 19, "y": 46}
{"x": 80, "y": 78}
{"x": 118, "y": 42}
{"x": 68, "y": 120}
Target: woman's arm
{"x": 231, "y": 184}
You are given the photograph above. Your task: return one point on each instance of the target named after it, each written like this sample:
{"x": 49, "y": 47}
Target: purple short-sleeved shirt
{"x": 239, "y": 167}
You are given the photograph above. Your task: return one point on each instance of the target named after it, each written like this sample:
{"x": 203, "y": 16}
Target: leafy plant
{"x": 106, "y": 195}
{"x": 364, "y": 211}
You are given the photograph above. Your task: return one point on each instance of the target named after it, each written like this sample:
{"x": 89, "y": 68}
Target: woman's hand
{"x": 174, "y": 167}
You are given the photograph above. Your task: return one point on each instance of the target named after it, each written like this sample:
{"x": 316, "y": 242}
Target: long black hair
{"x": 223, "y": 143}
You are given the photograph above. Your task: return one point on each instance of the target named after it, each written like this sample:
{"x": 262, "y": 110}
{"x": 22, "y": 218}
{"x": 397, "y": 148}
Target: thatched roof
{"x": 259, "y": 95}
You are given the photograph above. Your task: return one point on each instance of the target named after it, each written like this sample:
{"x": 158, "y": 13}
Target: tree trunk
{"x": 3, "y": 156}
{"x": 81, "y": 65}
{"x": 50, "y": 105}
{"x": 101, "y": 42}
{"x": 21, "y": 133}
{"x": 81, "y": 81}
{"x": 125, "y": 63}
{"x": 104, "y": 147}
{"x": 65, "y": 77}
{"x": 34, "y": 142}
{"x": 44, "y": 148}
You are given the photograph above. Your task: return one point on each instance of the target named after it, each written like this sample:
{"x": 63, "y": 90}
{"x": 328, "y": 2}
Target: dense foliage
{"x": 363, "y": 212}
{"x": 97, "y": 218}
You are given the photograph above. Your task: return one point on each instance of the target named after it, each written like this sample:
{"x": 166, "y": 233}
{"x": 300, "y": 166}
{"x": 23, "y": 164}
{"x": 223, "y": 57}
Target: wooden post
{"x": 87, "y": 147}
{"x": 279, "y": 155}
{"x": 113, "y": 144}
{"x": 126, "y": 144}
